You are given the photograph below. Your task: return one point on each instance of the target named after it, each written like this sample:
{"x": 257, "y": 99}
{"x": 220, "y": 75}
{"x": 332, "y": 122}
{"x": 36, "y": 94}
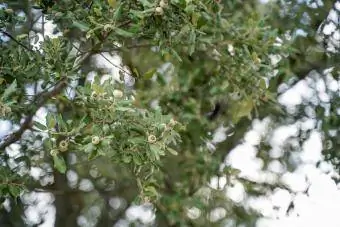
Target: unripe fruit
{"x": 95, "y": 140}
{"x": 9, "y": 11}
{"x": 117, "y": 93}
{"x": 54, "y": 152}
{"x": 63, "y": 146}
{"x": 94, "y": 96}
{"x": 159, "y": 11}
{"x": 152, "y": 139}
{"x": 172, "y": 123}
{"x": 163, "y": 3}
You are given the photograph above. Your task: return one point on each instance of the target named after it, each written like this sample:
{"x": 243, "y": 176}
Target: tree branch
{"x": 41, "y": 99}
{"x": 15, "y": 40}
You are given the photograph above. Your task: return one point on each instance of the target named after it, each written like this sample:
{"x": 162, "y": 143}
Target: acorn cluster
{"x": 163, "y": 4}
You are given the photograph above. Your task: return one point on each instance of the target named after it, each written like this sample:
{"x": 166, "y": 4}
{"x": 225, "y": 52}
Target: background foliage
{"x": 145, "y": 135}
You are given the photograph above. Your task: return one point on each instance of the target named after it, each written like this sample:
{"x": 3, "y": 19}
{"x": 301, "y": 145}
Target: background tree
{"x": 145, "y": 135}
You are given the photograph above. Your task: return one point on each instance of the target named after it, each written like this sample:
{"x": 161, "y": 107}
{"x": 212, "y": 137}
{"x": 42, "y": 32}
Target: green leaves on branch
{"x": 113, "y": 127}
{"x": 11, "y": 184}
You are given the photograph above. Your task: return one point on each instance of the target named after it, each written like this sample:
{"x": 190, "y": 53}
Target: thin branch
{"x": 114, "y": 65}
{"x": 143, "y": 45}
{"x": 15, "y": 40}
{"x": 42, "y": 98}
{"x": 60, "y": 192}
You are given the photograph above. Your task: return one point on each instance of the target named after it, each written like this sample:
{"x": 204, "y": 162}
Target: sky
{"x": 315, "y": 195}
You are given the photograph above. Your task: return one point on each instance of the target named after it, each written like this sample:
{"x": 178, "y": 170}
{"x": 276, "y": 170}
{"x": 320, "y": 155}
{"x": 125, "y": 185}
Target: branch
{"x": 15, "y": 40}
{"x": 42, "y": 98}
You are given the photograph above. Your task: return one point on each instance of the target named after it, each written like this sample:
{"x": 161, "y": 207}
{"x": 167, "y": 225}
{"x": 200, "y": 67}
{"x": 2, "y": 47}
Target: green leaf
{"x": 151, "y": 191}
{"x": 137, "y": 160}
{"x": 127, "y": 158}
{"x": 88, "y": 148}
{"x": 50, "y": 121}
{"x": 97, "y": 88}
{"x": 192, "y": 41}
{"x": 125, "y": 109}
{"x": 9, "y": 90}
{"x": 124, "y": 33}
{"x": 137, "y": 140}
{"x": 61, "y": 124}
{"x": 14, "y": 190}
{"x": 172, "y": 151}
{"x": 39, "y": 126}
{"x": 47, "y": 144}
{"x": 80, "y": 25}
{"x": 241, "y": 109}
{"x": 22, "y": 36}
{"x": 59, "y": 163}
{"x": 118, "y": 12}
{"x": 93, "y": 154}
{"x": 176, "y": 55}
{"x": 155, "y": 151}
{"x": 112, "y": 3}
{"x": 146, "y": 3}
{"x": 149, "y": 74}
{"x": 262, "y": 84}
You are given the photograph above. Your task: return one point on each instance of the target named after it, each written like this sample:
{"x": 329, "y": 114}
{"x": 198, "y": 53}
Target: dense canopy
{"x": 107, "y": 104}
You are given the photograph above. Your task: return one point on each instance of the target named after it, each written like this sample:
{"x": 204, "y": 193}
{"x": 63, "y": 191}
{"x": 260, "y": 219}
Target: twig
{"x": 42, "y": 98}
{"x": 114, "y": 65}
{"x": 15, "y": 40}
{"x": 144, "y": 45}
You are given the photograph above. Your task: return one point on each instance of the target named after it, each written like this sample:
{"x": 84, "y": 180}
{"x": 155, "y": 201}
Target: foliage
{"x": 196, "y": 65}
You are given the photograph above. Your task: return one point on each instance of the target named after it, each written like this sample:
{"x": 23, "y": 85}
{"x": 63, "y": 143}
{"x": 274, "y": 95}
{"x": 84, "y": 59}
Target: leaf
{"x": 136, "y": 73}
{"x": 149, "y": 74}
{"x": 59, "y": 163}
{"x": 137, "y": 160}
{"x": 82, "y": 26}
{"x": 155, "y": 151}
{"x": 242, "y": 109}
{"x": 125, "y": 109}
{"x": 47, "y": 144}
{"x": 22, "y": 36}
{"x": 172, "y": 151}
{"x": 127, "y": 158}
{"x": 146, "y": 3}
{"x": 151, "y": 189}
{"x": 9, "y": 90}
{"x": 124, "y": 33}
{"x": 263, "y": 84}
{"x": 97, "y": 88}
{"x": 137, "y": 140}
{"x": 118, "y": 12}
{"x": 93, "y": 154}
{"x": 14, "y": 190}
{"x": 39, "y": 126}
{"x": 88, "y": 148}
{"x": 112, "y": 3}
{"x": 192, "y": 41}
{"x": 176, "y": 55}
{"x": 50, "y": 121}
{"x": 61, "y": 124}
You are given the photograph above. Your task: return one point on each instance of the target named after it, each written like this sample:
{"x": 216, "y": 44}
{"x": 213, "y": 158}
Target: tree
{"x": 195, "y": 65}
